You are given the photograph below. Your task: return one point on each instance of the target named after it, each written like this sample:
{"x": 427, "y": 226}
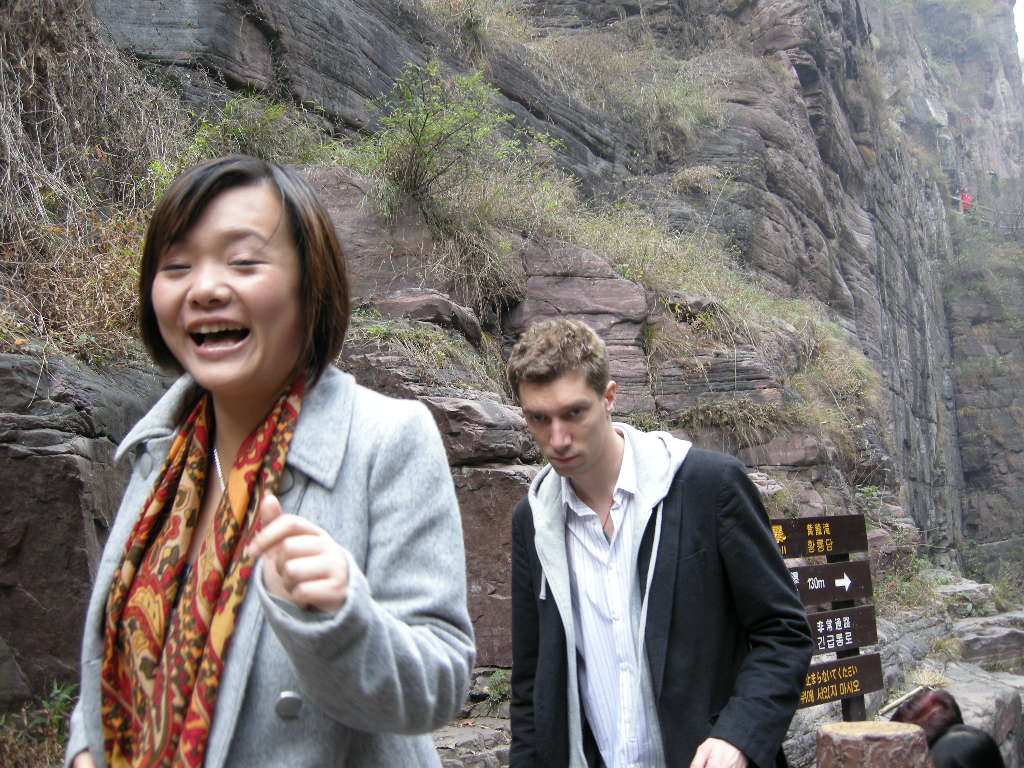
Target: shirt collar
{"x": 624, "y": 484}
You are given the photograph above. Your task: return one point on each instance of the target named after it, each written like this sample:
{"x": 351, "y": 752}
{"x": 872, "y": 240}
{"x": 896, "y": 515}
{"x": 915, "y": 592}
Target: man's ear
{"x": 609, "y": 396}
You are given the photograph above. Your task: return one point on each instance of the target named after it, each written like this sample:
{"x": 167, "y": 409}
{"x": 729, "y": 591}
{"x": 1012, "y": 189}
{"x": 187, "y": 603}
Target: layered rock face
{"x": 341, "y": 56}
{"x": 968, "y": 96}
{"x": 828, "y": 205}
{"x": 985, "y": 304}
{"x": 59, "y": 426}
{"x": 963, "y": 101}
{"x": 822, "y": 200}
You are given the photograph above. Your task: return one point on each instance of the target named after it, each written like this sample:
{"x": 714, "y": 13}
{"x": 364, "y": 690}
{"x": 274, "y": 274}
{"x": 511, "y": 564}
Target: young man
{"x": 653, "y": 620}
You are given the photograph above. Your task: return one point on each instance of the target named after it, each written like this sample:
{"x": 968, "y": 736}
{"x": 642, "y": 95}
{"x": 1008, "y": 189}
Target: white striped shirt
{"x": 603, "y": 586}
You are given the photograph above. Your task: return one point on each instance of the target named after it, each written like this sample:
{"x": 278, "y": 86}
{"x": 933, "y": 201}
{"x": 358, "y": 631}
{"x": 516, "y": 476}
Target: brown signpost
{"x": 843, "y": 629}
{"x": 810, "y": 536}
{"x": 831, "y": 582}
{"x": 838, "y": 583}
{"x": 841, "y": 679}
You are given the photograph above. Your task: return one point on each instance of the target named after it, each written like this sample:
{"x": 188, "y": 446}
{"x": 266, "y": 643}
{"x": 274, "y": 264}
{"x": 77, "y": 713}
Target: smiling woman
{"x": 312, "y": 569}
{"x": 226, "y": 298}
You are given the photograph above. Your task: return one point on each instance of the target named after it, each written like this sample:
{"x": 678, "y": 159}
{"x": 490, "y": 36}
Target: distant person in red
{"x": 965, "y": 201}
{"x": 934, "y": 710}
{"x": 951, "y": 744}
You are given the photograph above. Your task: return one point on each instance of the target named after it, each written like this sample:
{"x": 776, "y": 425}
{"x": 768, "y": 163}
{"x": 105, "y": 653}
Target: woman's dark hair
{"x": 963, "y": 746}
{"x": 323, "y": 286}
{"x": 934, "y": 710}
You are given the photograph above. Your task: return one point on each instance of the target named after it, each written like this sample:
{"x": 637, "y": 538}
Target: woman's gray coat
{"x": 350, "y": 689}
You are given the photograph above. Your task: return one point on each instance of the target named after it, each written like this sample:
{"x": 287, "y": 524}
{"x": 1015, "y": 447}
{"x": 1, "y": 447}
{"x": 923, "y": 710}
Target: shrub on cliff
{"x": 444, "y": 143}
{"x": 248, "y": 125}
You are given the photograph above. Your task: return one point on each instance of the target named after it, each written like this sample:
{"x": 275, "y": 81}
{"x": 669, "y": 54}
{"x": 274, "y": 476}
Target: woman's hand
{"x": 302, "y": 563}
{"x": 83, "y": 760}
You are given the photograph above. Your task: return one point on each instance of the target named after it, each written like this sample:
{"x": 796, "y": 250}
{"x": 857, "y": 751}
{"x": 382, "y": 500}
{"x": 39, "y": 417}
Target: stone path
{"x": 479, "y": 742}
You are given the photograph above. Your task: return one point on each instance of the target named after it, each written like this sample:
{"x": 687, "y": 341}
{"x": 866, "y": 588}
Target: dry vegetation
{"x": 88, "y": 144}
{"x": 479, "y": 26}
{"x": 439, "y": 356}
{"x": 78, "y": 127}
{"x": 622, "y": 71}
{"x": 34, "y": 736}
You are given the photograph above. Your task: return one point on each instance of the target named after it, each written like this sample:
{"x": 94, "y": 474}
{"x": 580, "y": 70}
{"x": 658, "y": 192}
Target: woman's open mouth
{"x": 218, "y": 335}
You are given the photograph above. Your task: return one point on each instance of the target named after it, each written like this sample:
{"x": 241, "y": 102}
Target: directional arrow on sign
{"x": 819, "y": 584}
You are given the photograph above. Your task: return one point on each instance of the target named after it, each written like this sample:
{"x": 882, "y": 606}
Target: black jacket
{"x": 727, "y": 640}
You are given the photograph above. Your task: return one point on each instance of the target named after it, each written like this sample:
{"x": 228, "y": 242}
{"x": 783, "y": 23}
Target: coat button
{"x": 286, "y": 482}
{"x": 144, "y": 464}
{"x": 288, "y": 705}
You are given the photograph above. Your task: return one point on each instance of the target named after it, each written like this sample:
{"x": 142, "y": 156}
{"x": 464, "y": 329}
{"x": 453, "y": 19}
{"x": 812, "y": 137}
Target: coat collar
{"x": 318, "y": 447}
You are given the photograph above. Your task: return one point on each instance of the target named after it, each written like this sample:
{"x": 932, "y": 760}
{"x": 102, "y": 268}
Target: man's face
{"x": 570, "y": 422}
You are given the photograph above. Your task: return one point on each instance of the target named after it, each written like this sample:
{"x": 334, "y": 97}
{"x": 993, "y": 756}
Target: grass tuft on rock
{"x": 36, "y": 734}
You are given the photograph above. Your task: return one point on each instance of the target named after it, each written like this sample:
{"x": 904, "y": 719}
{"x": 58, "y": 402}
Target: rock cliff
{"x": 847, "y": 126}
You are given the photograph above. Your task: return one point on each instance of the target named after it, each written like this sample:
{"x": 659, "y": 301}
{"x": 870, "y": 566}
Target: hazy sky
{"x": 1018, "y": 16}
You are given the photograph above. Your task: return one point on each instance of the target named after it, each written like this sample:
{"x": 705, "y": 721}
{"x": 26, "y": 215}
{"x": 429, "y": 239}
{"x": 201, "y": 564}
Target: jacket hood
{"x": 656, "y": 455}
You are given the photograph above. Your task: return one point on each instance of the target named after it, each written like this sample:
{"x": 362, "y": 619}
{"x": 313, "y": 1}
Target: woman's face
{"x": 226, "y": 298}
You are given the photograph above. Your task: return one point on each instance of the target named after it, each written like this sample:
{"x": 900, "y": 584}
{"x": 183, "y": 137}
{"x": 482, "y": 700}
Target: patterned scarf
{"x": 166, "y": 641}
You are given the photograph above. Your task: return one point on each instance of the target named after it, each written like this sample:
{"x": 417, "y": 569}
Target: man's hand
{"x": 715, "y": 753}
{"x": 83, "y": 760}
{"x": 302, "y": 563}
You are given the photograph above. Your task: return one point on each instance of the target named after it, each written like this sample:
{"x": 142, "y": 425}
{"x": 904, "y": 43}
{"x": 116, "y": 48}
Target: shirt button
{"x": 286, "y": 482}
{"x": 288, "y": 705}
{"x": 144, "y": 464}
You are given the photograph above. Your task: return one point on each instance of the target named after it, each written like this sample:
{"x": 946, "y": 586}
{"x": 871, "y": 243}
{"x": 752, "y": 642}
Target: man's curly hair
{"x": 552, "y": 348}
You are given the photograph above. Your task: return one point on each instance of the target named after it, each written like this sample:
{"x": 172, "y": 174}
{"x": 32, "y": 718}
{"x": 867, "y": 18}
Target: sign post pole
{"x": 839, "y": 583}
{"x": 854, "y": 708}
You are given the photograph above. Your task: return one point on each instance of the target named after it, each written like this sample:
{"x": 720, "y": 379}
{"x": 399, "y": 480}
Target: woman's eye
{"x": 245, "y": 261}
{"x": 173, "y": 266}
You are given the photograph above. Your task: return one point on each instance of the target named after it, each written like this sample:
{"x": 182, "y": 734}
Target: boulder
{"x": 382, "y": 257}
{"x": 995, "y": 639}
{"x": 486, "y": 497}
{"x": 963, "y": 597}
{"x": 568, "y": 281}
{"x": 431, "y": 307}
{"x": 480, "y": 431}
{"x": 793, "y": 449}
{"x": 59, "y": 425}
{"x": 734, "y": 374}
{"x": 767, "y": 485}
